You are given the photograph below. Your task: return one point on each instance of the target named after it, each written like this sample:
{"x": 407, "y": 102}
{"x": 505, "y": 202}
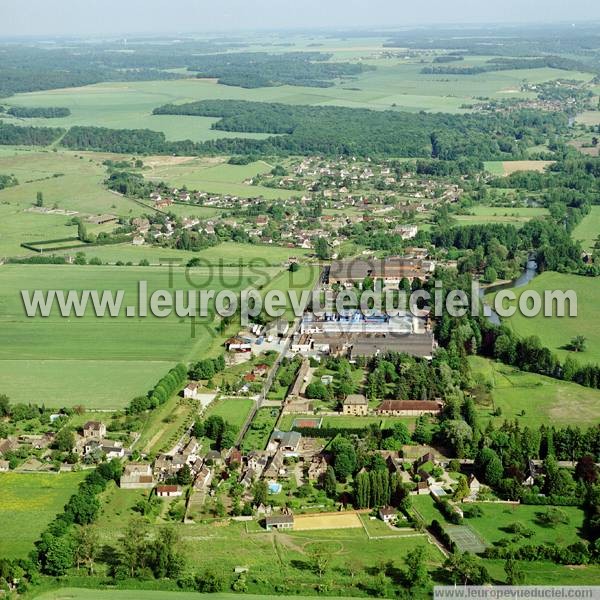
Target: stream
{"x": 528, "y": 274}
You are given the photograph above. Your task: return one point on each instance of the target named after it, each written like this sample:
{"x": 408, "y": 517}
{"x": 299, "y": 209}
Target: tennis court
{"x": 465, "y": 538}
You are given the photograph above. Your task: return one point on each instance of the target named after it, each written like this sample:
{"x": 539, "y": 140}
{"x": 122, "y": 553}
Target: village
{"x": 332, "y": 197}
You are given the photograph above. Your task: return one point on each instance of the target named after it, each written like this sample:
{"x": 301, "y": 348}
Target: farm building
{"x": 408, "y": 408}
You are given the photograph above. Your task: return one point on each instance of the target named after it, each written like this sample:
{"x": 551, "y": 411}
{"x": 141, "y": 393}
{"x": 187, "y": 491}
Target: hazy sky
{"x": 83, "y": 17}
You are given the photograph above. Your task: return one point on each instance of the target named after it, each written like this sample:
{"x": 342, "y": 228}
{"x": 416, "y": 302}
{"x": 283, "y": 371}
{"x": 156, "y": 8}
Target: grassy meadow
{"x": 100, "y": 362}
{"x": 492, "y": 525}
{"x": 496, "y": 214}
{"x": 215, "y": 176}
{"x": 227, "y": 254}
{"x": 233, "y": 410}
{"x": 533, "y": 399}
{"x": 588, "y": 231}
{"x": 556, "y": 332}
{"x": 28, "y": 502}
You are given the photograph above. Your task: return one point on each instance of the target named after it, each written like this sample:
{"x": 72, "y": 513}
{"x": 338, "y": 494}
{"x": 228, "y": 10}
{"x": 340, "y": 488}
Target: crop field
{"x": 512, "y": 166}
{"x": 589, "y": 117}
{"x": 557, "y": 332}
{"x": 28, "y": 502}
{"x": 588, "y": 231}
{"x": 99, "y": 362}
{"x": 497, "y": 214}
{"x": 533, "y": 399}
{"x": 328, "y": 521}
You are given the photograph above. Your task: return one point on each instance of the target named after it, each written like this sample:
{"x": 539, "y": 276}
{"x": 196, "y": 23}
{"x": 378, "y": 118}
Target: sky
{"x": 105, "y": 17}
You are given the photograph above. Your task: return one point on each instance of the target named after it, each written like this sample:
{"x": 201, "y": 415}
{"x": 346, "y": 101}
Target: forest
{"x": 13, "y": 135}
{"x": 262, "y": 69}
{"x": 335, "y": 130}
{"x": 509, "y": 64}
{"x": 38, "y": 112}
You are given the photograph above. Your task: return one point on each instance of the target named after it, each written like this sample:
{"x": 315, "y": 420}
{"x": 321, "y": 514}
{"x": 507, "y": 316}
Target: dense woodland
{"x": 14, "y": 135}
{"x": 509, "y": 64}
{"x": 344, "y": 131}
{"x": 38, "y": 112}
{"x": 261, "y": 69}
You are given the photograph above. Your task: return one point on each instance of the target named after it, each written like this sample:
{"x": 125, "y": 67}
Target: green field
{"x": 496, "y": 517}
{"x": 70, "y": 593}
{"x": 556, "y": 332}
{"x": 588, "y": 231}
{"x": 493, "y": 214}
{"x": 279, "y": 559}
{"x": 28, "y": 502}
{"x": 215, "y": 176}
{"x": 543, "y": 399}
{"x": 99, "y": 362}
{"x": 233, "y": 410}
{"x": 225, "y": 254}
{"x": 396, "y": 84}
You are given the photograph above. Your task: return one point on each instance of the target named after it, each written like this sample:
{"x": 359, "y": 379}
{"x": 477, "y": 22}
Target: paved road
{"x": 271, "y": 377}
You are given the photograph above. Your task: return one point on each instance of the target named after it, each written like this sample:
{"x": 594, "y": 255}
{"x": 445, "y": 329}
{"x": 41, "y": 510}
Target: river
{"x": 528, "y": 274}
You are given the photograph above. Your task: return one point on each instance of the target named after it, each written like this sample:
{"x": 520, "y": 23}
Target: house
{"x": 285, "y": 441}
{"x": 4, "y": 466}
{"x": 355, "y": 404}
{"x": 163, "y": 203}
{"x": 191, "y": 390}
{"x": 276, "y": 467}
{"x": 140, "y": 224}
{"x": 283, "y": 521}
{"x": 169, "y": 491}
{"x": 109, "y": 448}
{"x": 257, "y": 462}
{"x": 215, "y": 457}
{"x": 248, "y": 478}
{"x": 474, "y": 488}
{"x": 422, "y": 488}
{"x": 203, "y": 478}
{"x": 387, "y": 514}
{"x": 137, "y": 476}
{"x": 260, "y": 370}
{"x": 409, "y": 408}
{"x": 138, "y": 240}
{"x": 189, "y": 453}
{"x": 94, "y": 429}
{"x": 235, "y": 457}
{"x": 532, "y": 473}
